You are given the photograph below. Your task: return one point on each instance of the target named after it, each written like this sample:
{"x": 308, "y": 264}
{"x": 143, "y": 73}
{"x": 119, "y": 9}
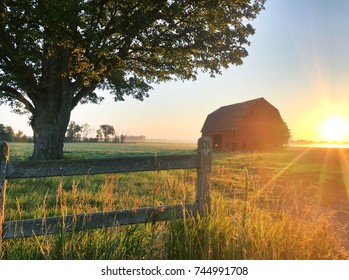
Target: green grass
{"x": 23, "y": 151}
{"x": 264, "y": 206}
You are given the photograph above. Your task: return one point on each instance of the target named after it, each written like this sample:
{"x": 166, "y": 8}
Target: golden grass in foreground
{"x": 247, "y": 224}
{"x": 244, "y": 224}
{"x": 254, "y": 216}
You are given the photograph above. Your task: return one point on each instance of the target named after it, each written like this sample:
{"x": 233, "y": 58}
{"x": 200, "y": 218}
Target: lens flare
{"x": 334, "y": 129}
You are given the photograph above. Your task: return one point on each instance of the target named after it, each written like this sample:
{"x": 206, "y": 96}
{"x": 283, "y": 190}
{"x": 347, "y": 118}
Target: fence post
{"x": 203, "y": 200}
{"x": 4, "y": 156}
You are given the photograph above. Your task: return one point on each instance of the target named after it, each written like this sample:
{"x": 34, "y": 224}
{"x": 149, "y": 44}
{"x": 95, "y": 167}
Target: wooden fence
{"x": 201, "y": 161}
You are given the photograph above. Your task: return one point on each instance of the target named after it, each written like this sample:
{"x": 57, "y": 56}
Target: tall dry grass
{"x": 254, "y": 215}
{"x": 258, "y": 220}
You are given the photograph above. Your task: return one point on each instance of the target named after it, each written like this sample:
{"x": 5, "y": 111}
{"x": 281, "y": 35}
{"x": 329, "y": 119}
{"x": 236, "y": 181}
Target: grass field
{"x": 285, "y": 205}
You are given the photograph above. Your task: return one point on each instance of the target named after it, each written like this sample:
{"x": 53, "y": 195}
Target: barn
{"x": 253, "y": 125}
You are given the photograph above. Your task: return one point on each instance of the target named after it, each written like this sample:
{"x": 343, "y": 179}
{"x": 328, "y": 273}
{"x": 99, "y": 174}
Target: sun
{"x": 334, "y": 129}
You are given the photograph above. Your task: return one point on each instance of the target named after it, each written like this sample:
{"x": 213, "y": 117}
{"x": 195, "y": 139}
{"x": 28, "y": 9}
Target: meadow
{"x": 290, "y": 204}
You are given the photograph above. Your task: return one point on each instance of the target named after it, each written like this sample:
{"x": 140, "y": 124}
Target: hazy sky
{"x": 298, "y": 61}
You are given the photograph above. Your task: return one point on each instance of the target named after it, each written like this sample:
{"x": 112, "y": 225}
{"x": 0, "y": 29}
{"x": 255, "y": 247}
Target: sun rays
{"x": 332, "y": 163}
{"x": 282, "y": 171}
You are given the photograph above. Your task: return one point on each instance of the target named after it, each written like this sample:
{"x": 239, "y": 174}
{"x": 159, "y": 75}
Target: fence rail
{"x": 201, "y": 161}
{"x": 100, "y": 166}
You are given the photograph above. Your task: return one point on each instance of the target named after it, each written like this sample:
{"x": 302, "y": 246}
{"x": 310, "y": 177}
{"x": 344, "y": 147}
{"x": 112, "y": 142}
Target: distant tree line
{"x": 75, "y": 133}
{"x": 8, "y": 134}
{"x": 105, "y": 133}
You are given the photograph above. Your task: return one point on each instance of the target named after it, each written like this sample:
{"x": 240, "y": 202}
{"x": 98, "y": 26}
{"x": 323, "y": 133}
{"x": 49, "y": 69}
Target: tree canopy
{"x": 56, "y": 54}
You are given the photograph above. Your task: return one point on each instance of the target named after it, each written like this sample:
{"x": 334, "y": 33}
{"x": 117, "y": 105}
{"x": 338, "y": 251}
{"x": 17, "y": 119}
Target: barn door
{"x": 217, "y": 142}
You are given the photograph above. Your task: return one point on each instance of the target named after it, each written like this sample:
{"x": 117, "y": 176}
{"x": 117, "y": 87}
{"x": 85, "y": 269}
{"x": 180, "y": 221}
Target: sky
{"x": 298, "y": 61}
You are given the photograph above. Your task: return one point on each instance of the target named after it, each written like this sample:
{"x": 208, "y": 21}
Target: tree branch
{"x": 18, "y": 96}
{"x": 84, "y": 91}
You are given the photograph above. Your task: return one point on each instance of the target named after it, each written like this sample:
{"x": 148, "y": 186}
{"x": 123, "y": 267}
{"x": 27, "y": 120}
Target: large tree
{"x": 55, "y": 54}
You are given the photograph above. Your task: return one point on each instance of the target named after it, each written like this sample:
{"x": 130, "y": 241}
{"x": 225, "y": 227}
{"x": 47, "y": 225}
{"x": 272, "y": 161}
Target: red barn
{"x": 254, "y": 125}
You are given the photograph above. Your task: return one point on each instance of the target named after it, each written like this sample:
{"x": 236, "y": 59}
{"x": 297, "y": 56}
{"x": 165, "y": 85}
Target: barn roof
{"x": 228, "y": 117}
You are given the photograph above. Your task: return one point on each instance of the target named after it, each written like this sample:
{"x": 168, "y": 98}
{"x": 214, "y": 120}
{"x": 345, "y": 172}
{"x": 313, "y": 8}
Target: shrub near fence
{"x": 201, "y": 161}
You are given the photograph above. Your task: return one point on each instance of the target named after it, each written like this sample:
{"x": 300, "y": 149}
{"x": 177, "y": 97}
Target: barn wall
{"x": 228, "y": 141}
{"x": 261, "y": 128}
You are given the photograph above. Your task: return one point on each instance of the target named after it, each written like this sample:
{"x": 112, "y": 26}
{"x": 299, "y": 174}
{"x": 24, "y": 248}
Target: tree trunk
{"x": 53, "y": 105}
{"x": 53, "y": 99}
{"x": 51, "y": 118}
{"x": 49, "y": 132}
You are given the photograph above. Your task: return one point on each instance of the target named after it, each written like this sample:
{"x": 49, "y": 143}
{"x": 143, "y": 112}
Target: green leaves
{"x": 123, "y": 46}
